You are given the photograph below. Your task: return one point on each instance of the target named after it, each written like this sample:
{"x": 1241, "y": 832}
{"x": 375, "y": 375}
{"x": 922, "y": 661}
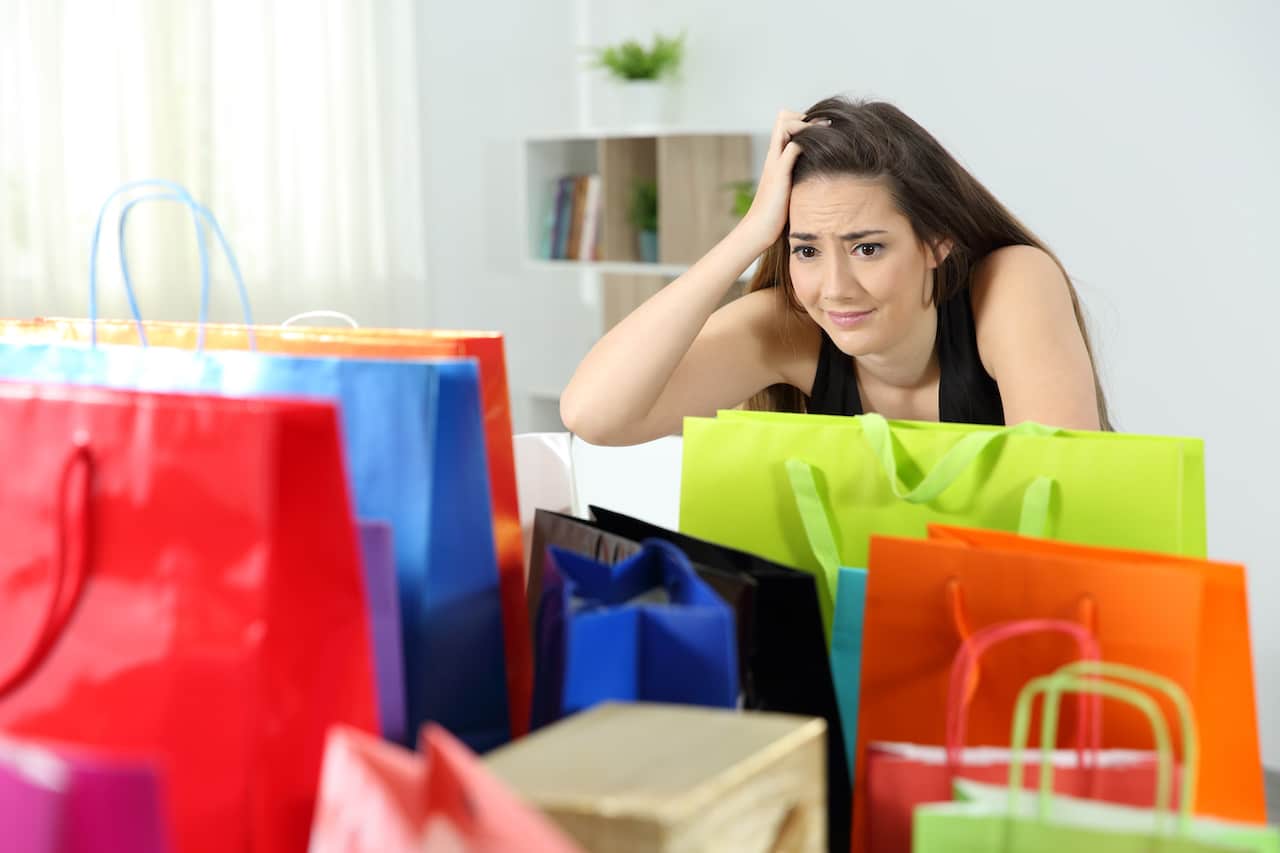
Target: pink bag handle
{"x": 960, "y": 693}
{"x": 960, "y": 619}
{"x": 59, "y": 608}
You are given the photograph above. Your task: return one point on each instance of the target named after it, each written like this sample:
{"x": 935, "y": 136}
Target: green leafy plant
{"x": 644, "y": 205}
{"x": 631, "y": 61}
{"x": 744, "y": 192}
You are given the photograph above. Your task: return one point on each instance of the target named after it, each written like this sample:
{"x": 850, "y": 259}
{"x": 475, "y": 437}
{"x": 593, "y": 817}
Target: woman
{"x": 890, "y": 281}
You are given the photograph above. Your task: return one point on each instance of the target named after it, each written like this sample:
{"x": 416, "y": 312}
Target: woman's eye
{"x": 805, "y": 252}
{"x": 869, "y": 250}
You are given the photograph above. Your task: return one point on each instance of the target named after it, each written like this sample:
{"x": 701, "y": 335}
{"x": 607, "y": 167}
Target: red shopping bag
{"x": 901, "y": 776}
{"x": 179, "y": 581}
{"x": 376, "y": 797}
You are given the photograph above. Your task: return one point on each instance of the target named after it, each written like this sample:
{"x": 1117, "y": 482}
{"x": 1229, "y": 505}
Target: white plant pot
{"x": 639, "y": 103}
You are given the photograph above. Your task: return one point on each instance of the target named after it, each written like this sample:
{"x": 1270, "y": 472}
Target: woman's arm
{"x": 672, "y": 356}
{"x": 640, "y": 385}
{"x": 1030, "y": 342}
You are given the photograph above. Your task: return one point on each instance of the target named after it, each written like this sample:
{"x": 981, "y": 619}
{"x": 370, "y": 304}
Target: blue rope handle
{"x": 200, "y": 243}
{"x": 202, "y": 218}
{"x": 181, "y": 191}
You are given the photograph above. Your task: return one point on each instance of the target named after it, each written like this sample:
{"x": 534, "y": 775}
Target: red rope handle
{"x": 59, "y": 609}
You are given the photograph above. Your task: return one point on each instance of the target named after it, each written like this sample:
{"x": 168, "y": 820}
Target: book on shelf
{"x": 589, "y": 249}
{"x": 573, "y": 250}
{"x": 572, "y": 226}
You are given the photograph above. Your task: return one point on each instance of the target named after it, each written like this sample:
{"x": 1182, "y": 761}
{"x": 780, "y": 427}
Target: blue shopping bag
{"x": 646, "y": 629}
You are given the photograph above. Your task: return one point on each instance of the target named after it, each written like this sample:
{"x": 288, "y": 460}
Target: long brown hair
{"x": 942, "y": 201}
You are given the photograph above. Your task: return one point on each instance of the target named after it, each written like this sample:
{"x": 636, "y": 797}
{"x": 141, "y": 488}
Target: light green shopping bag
{"x": 988, "y": 817}
{"x": 896, "y": 477}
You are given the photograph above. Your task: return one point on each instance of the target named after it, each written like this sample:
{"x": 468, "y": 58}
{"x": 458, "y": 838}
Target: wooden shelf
{"x": 668, "y": 271}
{"x": 612, "y": 267}
{"x": 633, "y": 131}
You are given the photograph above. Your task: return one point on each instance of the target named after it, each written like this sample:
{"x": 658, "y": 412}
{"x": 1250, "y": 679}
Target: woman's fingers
{"x": 787, "y": 126}
{"x": 780, "y": 132}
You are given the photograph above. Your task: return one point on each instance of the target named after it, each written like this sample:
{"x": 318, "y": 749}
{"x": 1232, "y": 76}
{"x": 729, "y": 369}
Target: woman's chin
{"x": 851, "y": 342}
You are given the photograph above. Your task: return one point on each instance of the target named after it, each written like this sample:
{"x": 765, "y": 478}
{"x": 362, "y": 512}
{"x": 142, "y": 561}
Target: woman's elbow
{"x": 592, "y": 423}
{"x": 579, "y": 419}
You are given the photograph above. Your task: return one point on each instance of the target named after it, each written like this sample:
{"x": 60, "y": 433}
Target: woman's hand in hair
{"x": 768, "y": 214}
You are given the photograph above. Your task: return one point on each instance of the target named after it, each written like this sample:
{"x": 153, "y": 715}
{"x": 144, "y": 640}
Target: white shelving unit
{"x": 693, "y": 168}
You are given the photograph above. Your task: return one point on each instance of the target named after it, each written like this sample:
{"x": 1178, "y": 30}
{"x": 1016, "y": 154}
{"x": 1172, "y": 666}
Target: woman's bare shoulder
{"x": 789, "y": 339}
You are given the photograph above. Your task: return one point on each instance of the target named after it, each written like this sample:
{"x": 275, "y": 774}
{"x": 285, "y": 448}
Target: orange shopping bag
{"x": 1231, "y": 782}
{"x": 925, "y": 597}
{"x": 486, "y": 347}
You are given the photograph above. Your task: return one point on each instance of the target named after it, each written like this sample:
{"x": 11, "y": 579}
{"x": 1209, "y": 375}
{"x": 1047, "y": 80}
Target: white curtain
{"x": 298, "y": 122}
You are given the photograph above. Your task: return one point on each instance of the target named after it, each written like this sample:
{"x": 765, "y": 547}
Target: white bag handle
{"x": 322, "y": 315}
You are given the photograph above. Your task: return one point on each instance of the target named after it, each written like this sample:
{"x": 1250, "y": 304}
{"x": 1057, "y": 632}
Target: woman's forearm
{"x": 624, "y": 374}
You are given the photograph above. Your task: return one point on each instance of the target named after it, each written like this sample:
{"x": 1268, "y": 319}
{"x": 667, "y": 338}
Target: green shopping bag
{"x": 988, "y": 817}
{"x": 896, "y": 477}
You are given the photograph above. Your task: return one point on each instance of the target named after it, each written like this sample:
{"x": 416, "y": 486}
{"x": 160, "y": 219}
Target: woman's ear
{"x": 938, "y": 252}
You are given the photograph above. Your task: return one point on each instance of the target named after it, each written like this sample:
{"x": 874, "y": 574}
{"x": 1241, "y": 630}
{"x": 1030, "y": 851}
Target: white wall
{"x": 1137, "y": 138}
{"x": 493, "y": 73}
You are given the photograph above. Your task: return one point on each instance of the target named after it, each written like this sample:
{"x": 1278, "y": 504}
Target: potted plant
{"x": 744, "y": 192}
{"x": 644, "y": 218}
{"x": 641, "y": 91}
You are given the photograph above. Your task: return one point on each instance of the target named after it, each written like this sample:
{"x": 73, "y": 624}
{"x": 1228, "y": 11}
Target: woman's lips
{"x": 848, "y": 319}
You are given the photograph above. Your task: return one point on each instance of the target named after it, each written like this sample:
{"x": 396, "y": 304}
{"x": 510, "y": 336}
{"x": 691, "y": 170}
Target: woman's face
{"x": 856, "y": 264}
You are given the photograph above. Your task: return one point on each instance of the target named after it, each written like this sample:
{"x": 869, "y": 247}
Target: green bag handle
{"x": 817, "y": 528}
{"x": 1067, "y": 683}
{"x": 1036, "y": 501}
{"x": 1053, "y": 686}
{"x": 1167, "y": 686}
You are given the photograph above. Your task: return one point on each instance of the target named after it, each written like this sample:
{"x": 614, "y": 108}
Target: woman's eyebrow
{"x": 852, "y": 235}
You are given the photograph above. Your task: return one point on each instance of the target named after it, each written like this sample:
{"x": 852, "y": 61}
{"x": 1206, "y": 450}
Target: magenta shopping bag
{"x": 67, "y": 800}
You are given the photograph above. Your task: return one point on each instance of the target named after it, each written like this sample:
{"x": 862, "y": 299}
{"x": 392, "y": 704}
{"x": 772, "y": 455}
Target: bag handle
{"x": 59, "y": 608}
{"x": 658, "y": 563}
{"x": 963, "y": 666}
{"x": 959, "y": 612}
{"x": 1066, "y": 680}
{"x": 1036, "y": 500}
{"x": 1073, "y": 684}
{"x": 1096, "y": 669}
{"x": 816, "y": 520}
{"x": 321, "y": 315}
{"x": 201, "y": 217}
{"x": 177, "y": 189}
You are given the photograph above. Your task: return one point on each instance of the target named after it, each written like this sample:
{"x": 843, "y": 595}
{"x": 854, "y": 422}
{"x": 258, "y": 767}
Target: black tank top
{"x": 966, "y": 393}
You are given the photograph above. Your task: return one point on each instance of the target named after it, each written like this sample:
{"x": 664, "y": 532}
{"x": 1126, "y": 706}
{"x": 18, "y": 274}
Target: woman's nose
{"x": 838, "y": 281}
